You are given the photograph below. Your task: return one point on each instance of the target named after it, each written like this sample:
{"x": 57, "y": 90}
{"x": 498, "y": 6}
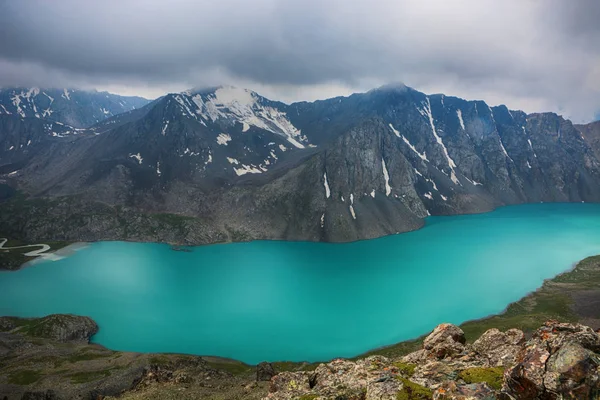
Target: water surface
{"x": 307, "y": 301}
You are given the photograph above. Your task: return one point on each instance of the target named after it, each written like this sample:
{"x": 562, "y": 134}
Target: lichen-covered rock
{"x": 500, "y": 348}
{"x": 286, "y": 385}
{"x": 573, "y": 372}
{"x": 443, "y": 332}
{"x": 559, "y": 361}
{"x": 526, "y": 379}
{"x": 446, "y": 340}
{"x": 474, "y": 391}
{"x": 384, "y": 389}
{"x": 264, "y": 372}
{"x": 555, "y": 335}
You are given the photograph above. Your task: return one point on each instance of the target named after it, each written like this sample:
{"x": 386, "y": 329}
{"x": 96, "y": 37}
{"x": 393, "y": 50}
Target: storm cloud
{"x": 536, "y": 55}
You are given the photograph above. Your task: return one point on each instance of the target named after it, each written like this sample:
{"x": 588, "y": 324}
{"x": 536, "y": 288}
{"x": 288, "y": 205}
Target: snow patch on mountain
{"x": 248, "y": 108}
{"x": 460, "y": 119}
{"x": 138, "y": 157}
{"x": 327, "y": 191}
{"x": 386, "y": 178}
{"x": 394, "y": 130}
{"x": 223, "y": 138}
{"x": 247, "y": 169}
{"x": 426, "y": 111}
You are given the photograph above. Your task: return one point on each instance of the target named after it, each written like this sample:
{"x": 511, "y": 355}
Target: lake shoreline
{"x": 80, "y": 366}
{"x": 183, "y": 246}
{"x": 327, "y": 272}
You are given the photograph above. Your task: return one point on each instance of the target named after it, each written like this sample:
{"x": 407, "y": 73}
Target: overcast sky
{"x": 535, "y": 55}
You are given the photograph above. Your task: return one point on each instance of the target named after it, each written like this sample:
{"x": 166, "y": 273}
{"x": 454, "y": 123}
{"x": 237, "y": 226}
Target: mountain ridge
{"x": 341, "y": 169}
{"x": 74, "y": 107}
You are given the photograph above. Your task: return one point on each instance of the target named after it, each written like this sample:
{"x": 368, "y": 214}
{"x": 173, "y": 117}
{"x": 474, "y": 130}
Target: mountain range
{"x": 226, "y": 164}
{"x": 76, "y": 108}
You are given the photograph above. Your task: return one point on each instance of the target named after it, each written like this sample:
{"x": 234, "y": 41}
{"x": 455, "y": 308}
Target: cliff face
{"x": 239, "y": 166}
{"x": 560, "y": 361}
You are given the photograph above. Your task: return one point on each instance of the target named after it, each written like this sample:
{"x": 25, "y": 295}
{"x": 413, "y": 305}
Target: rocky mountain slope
{"x": 229, "y": 164}
{"x": 76, "y": 108}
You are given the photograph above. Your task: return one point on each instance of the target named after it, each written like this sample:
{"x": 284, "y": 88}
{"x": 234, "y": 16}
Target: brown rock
{"x": 573, "y": 372}
{"x": 500, "y": 348}
{"x": 264, "y": 372}
{"x": 526, "y": 379}
{"x": 383, "y": 390}
{"x": 292, "y": 383}
{"x": 442, "y": 333}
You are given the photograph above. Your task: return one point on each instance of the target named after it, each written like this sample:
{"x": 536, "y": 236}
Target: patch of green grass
{"x": 413, "y": 391}
{"x": 24, "y": 377}
{"x": 289, "y": 366}
{"x": 160, "y": 360}
{"x": 233, "y": 367}
{"x": 396, "y": 350}
{"x": 492, "y": 376}
{"x": 88, "y": 376}
{"x": 87, "y": 356}
{"x": 405, "y": 369}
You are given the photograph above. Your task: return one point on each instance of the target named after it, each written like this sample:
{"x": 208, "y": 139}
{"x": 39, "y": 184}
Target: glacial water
{"x": 307, "y": 301}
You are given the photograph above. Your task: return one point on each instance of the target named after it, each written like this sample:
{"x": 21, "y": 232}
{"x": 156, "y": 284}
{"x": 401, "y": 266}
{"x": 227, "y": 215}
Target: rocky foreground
{"x": 559, "y": 361}
{"x": 50, "y": 358}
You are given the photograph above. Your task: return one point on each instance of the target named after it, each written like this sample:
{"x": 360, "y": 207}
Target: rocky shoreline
{"x": 524, "y": 353}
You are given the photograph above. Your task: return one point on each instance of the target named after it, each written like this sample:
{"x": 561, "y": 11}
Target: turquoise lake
{"x": 269, "y": 300}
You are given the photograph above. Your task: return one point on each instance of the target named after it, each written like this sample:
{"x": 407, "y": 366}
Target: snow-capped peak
{"x": 240, "y": 105}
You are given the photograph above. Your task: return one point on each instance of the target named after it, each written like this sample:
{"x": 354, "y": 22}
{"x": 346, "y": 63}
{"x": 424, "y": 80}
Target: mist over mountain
{"x": 76, "y": 108}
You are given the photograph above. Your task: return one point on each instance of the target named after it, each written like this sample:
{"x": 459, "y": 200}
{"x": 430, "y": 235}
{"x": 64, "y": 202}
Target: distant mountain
{"x": 228, "y": 164}
{"x": 72, "y": 107}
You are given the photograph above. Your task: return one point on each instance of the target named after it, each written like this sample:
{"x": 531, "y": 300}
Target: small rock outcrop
{"x": 560, "y": 361}
{"x": 264, "y": 372}
{"x": 57, "y": 327}
{"x": 500, "y": 348}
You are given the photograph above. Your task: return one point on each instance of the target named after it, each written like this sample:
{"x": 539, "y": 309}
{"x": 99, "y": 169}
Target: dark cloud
{"x": 531, "y": 54}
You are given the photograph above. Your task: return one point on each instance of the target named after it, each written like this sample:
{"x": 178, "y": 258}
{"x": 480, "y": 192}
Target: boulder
{"x": 526, "y": 379}
{"x": 500, "y": 348}
{"x": 384, "y": 389}
{"x": 446, "y": 340}
{"x": 573, "y": 372}
{"x": 61, "y": 328}
{"x": 289, "y": 384}
{"x": 559, "y": 361}
{"x": 264, "y": 372}
{"x": 442, "y": 333}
